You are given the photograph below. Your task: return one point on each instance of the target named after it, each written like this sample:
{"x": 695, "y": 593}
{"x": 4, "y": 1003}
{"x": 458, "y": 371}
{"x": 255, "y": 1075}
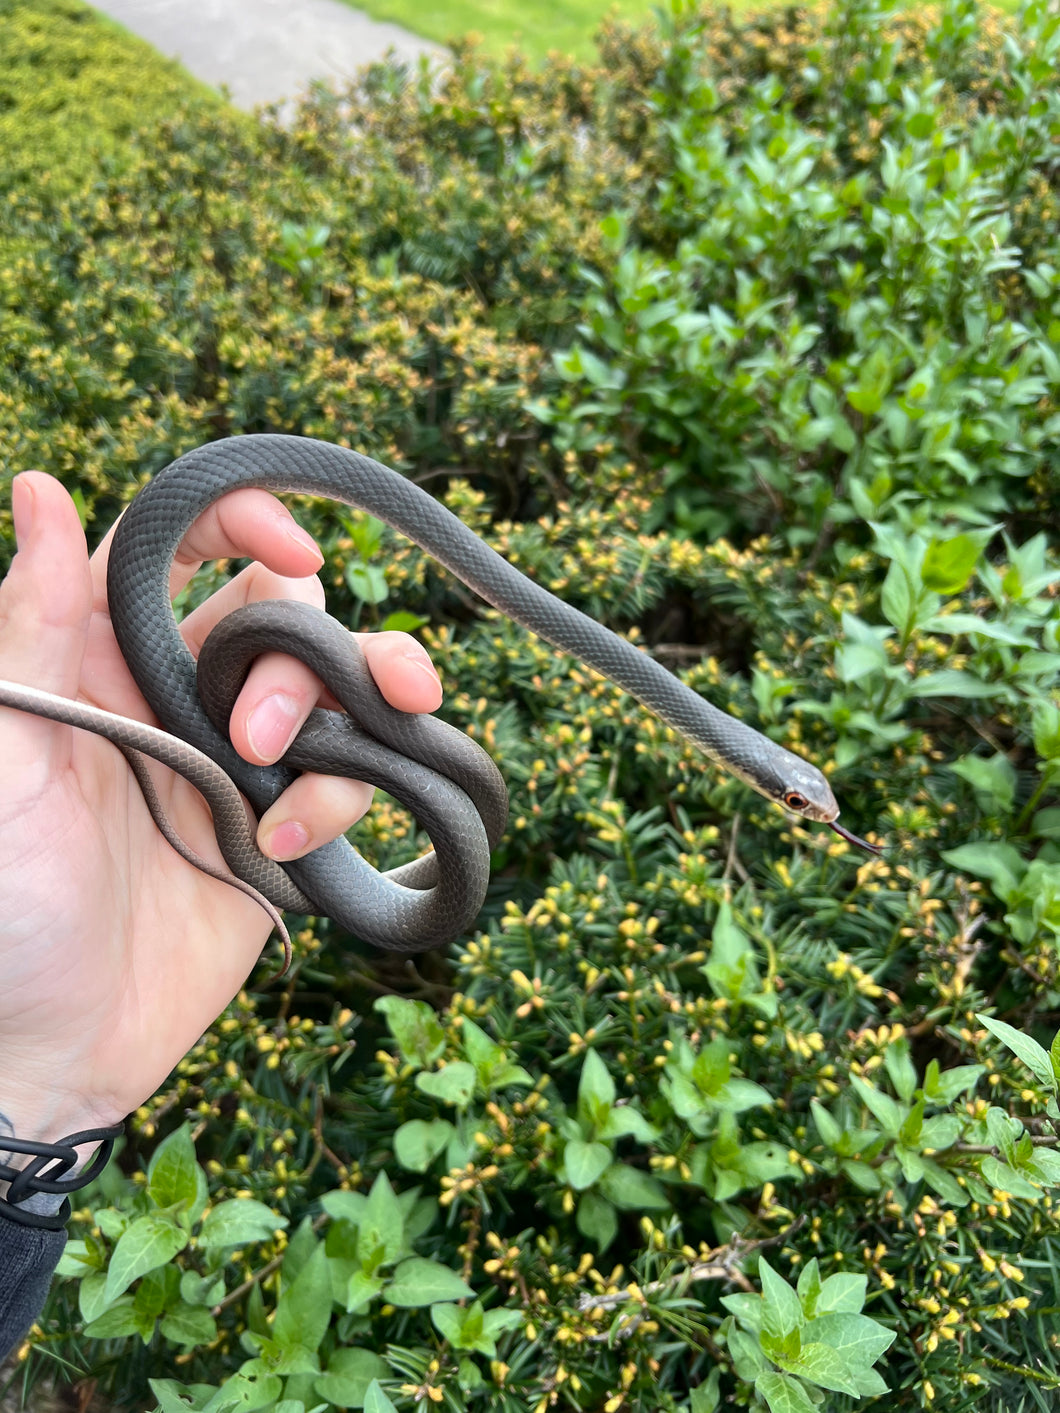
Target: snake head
{"x": 806, "y": 792}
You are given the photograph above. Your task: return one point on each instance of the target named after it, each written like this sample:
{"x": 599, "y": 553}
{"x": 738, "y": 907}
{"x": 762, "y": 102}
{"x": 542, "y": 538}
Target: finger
{"x": 245, "y": 524}
{"x": 311, "y": 812}
{"x": 280, "y": 691}
{"x": 403, "y": 671}
{"x": 45, "y": 605}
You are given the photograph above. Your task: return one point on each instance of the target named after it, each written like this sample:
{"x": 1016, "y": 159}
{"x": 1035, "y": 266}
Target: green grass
{"x": 536, "y": 26}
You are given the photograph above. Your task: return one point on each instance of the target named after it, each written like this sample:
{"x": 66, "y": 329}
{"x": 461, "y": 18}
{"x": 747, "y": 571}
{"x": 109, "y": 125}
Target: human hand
{"x": 115, "y": 953}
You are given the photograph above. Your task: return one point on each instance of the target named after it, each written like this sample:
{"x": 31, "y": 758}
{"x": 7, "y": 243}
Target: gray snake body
{"x": 420, "y": 761}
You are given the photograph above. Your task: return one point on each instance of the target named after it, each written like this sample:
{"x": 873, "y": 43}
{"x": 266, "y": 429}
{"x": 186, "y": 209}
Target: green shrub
{"x": 708, "y": 1110}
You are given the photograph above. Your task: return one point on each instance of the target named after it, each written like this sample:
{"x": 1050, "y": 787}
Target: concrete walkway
{"x": 265, "y": 51}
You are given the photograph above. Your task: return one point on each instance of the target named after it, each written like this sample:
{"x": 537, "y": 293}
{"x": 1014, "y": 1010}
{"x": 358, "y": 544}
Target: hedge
{"x": 743, "y": 341}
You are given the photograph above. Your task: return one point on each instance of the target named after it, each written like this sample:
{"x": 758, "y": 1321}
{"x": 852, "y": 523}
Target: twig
{"x": 259, "y": 1276}
{"x": 723, "y": 1269}
{"x": 1039, "y": 1140}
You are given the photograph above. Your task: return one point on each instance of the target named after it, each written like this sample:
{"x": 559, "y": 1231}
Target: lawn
{"x": 537, "y": 26}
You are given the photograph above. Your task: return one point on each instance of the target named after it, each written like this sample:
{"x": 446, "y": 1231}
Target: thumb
{"x": 45, "y": 608}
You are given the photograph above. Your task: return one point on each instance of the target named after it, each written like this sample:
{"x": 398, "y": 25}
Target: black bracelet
{"x": 46, "y": 1173}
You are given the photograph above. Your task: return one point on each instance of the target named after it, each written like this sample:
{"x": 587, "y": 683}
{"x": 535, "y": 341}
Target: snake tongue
{"x": 853, "y": 839}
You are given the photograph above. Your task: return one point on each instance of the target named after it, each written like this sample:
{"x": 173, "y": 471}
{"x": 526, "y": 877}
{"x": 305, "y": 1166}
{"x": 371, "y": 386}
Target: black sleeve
{"x": 28, "y": 1258}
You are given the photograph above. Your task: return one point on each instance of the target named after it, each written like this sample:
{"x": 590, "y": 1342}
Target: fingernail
{"x": 303, "y": 538}
{"x": 287, "y": 841}
{"x": 418, "y": 657}
{"x": 271, "y": 726}
{"x": 23, "y": 508}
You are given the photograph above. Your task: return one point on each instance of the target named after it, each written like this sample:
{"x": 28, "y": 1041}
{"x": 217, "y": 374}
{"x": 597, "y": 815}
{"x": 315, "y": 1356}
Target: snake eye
{"x": 794, "y": 800}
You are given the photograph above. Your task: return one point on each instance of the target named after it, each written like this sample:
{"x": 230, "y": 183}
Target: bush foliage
{"x": 743, "y": 341}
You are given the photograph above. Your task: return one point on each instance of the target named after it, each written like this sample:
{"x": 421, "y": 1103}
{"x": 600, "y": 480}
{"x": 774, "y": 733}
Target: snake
{"x": 453, "y": 788}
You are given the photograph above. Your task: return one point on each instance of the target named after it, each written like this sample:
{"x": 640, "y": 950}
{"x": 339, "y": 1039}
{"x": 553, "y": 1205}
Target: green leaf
{"x": 706, "y": 1397}
{"x": 402, "y": 622}
{"x": 585, "y": 1162}
{"x": 596, "y": 1219}
{"x": 188, "y": 1325}
{"x": 825, "y": 1124}
{"x": 360, "y": 1290}
{"x": 149, "y": 1242}
{"x": 633, "y": 1190}
{"x": 418, "y": 1142}
{"x": 781, "y": 1307}
{"x": 859, "y": 1339}
{"x": 1001, "y": 863}
{"x": 1025, "y": 1047}
{"x": 842, "y": 1292}
{"x": 949, "y": 682}
{"x": 808, "y": 1288}
{"x": 349, "y": 1374}
{"x": 92, "y": 1296}
{"x": 1007, "y": 1179}
{"x": 900, "y": 1067}
{"x": 168, "y": 1392}
{"x": 824, "y": 1367}
{"x": 455, "y": 1084}
{"x": 949, "y": 564}
{"x": 366, "y": 582}
{"x": 418, "y": 1282}
{"x": 118, "y": 1322}
{"x": 624, "y": 1121}
{"x": 381, "y": 1229}
{"x": 415, "y": 1027}
{"x": 899, "y": 597}
{"x": 596, "y": 1090}
{"x": 944, "y": 1183}
{"x": 992, "y": 777}
{"x": 174, "y": 1178}
{"x": 783, "y": 1394}
{"x": 882, "y": 1107}
{"x": 376, "y": 1401}
{"x": 239, "y": 1221}
{"x": 303, "y": 1311}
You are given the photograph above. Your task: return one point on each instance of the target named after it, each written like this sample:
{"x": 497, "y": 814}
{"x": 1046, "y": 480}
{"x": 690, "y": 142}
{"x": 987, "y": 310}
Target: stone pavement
{"x": 265, "y": 51}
